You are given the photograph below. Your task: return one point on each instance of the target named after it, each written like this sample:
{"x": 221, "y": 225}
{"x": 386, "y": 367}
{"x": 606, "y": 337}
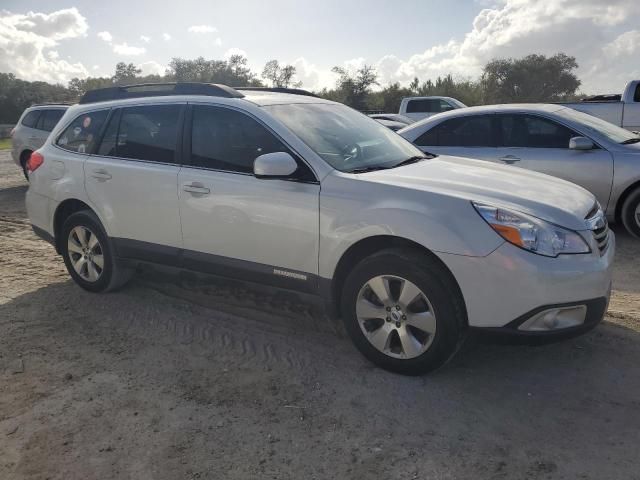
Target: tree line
{"x": 533, "y": 78}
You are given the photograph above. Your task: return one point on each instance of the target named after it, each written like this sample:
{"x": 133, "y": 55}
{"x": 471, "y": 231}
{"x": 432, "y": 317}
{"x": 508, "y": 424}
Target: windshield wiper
{"x": 630, "y": 141}
{"x": 371, "y": 168}
{"x": 414, "y": 159}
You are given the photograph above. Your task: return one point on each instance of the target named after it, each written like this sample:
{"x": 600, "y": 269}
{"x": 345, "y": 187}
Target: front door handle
{"x": 101, "y": 174}
{"x": 196, "y": 188}
{"x": 510, "y": 159}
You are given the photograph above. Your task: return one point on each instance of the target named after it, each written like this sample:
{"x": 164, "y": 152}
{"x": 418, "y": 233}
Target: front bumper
{"x": 508, "y": 287}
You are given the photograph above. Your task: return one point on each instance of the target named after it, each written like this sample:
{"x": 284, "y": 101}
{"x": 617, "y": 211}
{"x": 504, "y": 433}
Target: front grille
{"x": 599, "y": 227}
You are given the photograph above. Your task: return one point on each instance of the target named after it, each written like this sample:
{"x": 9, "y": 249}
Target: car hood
{"x": 542, "y": 196}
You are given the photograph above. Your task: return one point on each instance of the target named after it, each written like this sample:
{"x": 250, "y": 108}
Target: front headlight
{"x": 531, "y": 233}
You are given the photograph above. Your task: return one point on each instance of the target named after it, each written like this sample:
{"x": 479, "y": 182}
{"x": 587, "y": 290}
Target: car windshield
{"x": 346, "y": 139}
{"x": 612, "y": 132}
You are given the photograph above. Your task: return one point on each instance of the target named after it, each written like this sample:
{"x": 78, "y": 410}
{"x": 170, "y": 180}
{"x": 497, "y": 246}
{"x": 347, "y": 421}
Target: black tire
{"x": 114, "y": 275}
{"x": 24, "y": 156}
{"x": 428, "y": 274}
{"x": 628, "y": 213}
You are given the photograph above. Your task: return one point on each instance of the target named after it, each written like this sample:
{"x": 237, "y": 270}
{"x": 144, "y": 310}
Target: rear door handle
{"x": 196, "y": 188}
{"x": 101, "y": 174}
{"x": 510, "y": 159}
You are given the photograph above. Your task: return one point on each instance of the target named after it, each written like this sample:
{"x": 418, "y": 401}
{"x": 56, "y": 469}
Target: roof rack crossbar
{"x": 293, "y": 91}
{"x": 159, "y": 90}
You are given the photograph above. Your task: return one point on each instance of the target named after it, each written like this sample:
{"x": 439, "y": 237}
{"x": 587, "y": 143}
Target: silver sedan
{"x": 552, "y": 139}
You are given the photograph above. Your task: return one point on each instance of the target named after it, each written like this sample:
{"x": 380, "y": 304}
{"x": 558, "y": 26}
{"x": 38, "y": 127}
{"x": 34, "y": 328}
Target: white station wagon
{"x": 306, "y": 194}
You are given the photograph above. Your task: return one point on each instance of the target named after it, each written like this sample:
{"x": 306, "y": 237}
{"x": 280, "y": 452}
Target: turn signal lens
{"x": 35, "y": 160}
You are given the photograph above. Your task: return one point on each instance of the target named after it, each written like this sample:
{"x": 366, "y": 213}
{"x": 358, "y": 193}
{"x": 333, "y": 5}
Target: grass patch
{"x": 5, "y": 144}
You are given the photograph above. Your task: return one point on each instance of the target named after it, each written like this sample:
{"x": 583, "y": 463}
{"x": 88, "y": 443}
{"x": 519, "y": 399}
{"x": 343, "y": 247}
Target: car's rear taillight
{"x": 35, "y": 160}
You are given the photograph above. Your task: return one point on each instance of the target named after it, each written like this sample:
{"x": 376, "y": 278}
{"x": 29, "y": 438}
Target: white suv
{"x": 307, "y": 194}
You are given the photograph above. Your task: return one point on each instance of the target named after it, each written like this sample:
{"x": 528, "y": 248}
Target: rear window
{"x": 31, "y": 118}
{"x": 49, "y": 119}
{"x": 430, "y": 105}
{"x": 80, "y": 136}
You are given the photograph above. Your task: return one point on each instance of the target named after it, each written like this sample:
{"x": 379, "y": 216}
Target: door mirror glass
{"x": 580, "y": 143}
{"x": 274, "y": 165}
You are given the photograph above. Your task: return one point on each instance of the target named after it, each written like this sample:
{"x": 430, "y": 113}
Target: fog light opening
{"x": 555, "y": 319}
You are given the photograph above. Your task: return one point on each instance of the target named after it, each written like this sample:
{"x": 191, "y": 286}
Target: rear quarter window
{"x": 81, "y": 135}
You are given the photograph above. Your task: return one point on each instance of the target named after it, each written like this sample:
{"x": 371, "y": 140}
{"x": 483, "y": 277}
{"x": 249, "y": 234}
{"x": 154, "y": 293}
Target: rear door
{"x": 542, "y": 144}
{"x": 470, "y": 136}
{"x": 238, "y": 225}
{"x": 132, "y": 180}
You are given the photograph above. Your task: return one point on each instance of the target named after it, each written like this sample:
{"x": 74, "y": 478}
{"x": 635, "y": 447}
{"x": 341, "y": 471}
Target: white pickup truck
{"x": 622, "y": 110}
{"x": 418, "y": 108}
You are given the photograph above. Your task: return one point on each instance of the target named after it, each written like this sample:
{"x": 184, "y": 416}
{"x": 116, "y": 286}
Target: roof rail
{"x": 52, "y": 104}
{"x": 293, "y": 91}
{"x": 159, "y": 90}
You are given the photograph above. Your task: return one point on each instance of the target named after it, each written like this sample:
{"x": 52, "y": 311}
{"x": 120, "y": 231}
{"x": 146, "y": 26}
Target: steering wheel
{"x": 351, "y": 152}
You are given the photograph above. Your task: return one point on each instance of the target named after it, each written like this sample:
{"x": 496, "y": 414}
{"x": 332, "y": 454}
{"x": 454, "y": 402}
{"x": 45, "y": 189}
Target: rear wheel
{"x": 630, "y": 213}
{"x": 89, "y": 255}
{"x": 403, "y": 311}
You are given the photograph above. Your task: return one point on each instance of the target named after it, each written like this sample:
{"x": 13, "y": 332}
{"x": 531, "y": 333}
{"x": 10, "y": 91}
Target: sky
{"x": 57, "y": 40}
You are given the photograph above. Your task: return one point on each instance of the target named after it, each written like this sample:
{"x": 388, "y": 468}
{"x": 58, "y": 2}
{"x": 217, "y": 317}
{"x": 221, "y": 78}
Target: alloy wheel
{"x": 396, "y": 316}
{"x": 85, "y": 253}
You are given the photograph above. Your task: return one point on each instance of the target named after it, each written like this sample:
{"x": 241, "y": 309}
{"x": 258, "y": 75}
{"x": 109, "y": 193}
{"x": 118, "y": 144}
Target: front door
{"x": 541, "y": 144}
{"x": 238, "y": 225}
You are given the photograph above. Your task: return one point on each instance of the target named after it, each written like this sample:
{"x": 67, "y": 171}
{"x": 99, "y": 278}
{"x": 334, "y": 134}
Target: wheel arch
{"x": 65, "y": 209}
{"x": 623, "y": 198}
{"x": 367, "y": 247}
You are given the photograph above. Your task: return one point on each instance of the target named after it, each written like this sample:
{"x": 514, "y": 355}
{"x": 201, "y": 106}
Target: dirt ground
{"x": 174, "y": 378}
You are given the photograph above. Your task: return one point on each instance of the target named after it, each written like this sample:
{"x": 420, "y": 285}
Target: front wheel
{"x": 403, "y": 311}
{"x": 630, "y": 213}
{"x": 88, "y": 254}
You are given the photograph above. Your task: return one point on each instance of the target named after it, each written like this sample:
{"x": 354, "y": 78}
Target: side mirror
{"x": 581, "y": 143}
{"x": 274, "y": 165}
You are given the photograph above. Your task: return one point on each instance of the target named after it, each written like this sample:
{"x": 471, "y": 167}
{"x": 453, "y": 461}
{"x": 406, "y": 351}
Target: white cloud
{"x": 145, "y": 39}
{"x": 106, "y": 36}
{"x": 128, "y": 50}
{"x": 152, "y": 68}
{"x": 234, "y": 51}
{"x": 202, "y": 29}
{"x": 95, "y": 67}
{"x": 218, "y": 41}
{"x": 26, "y": 41}
{"x": 166, "y": 37}
{"x": 312, "y": 77}
{"x": 514, "y": 28}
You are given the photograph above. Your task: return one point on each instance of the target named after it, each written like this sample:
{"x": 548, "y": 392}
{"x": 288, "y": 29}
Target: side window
{"x": 423, "y": 106}
{"x": 530, "y": 131}
{"x": 49, "y": 119}
{"x": 31, "y": 118}
{"x": 469, "y": 131}
{"x": 225, "y": 139}
{"x": 80, "y": 136}
{"x": 636, "y": 97}
{"x": 148, "y": 133}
